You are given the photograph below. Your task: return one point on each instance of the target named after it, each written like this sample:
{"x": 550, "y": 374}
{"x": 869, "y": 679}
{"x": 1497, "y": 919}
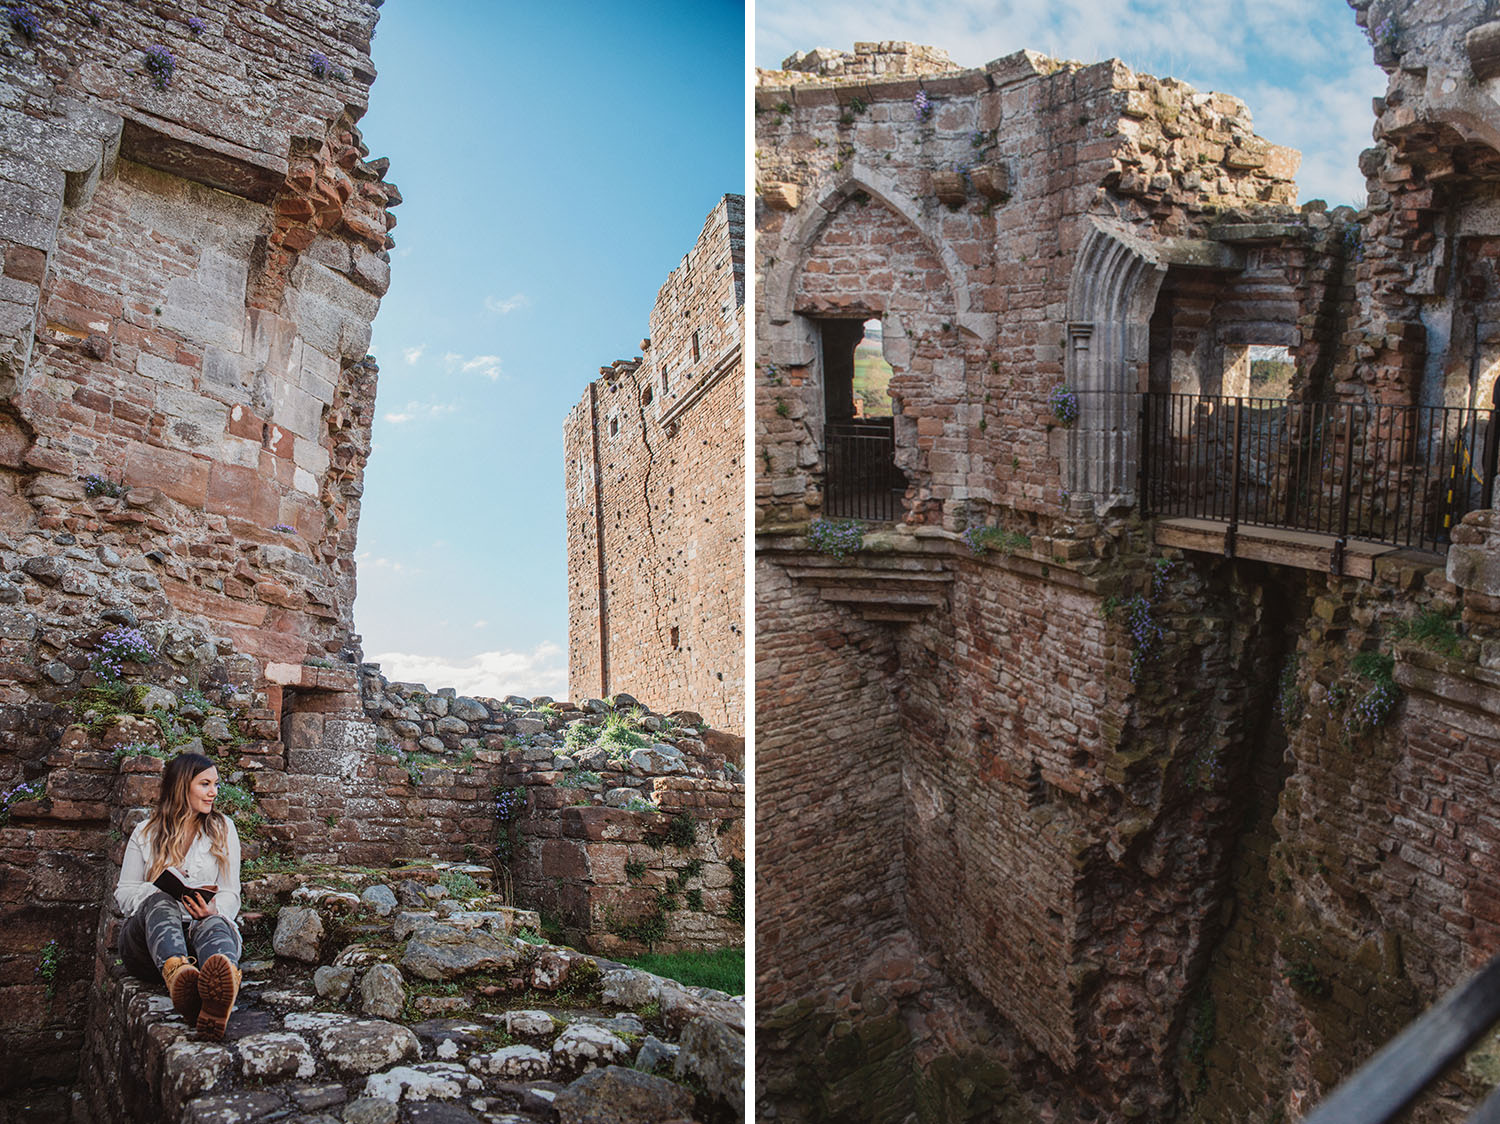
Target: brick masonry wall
{"x": 1169, "y": 943}
{"x": 829, "y": 863}
{"x": 655, "y": 466}
{"x": 1372, "y": 889}
{"x": 190, "y": 276}
{"x": 860, "y": 213}
{"x": 614, "y": 877}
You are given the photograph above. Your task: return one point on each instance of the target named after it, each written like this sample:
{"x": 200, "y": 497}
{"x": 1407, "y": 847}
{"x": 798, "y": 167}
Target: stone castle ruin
{"x": 1127, "y": 528}
{"x": 193, "y": 244}
{"x": 656, "y": 496}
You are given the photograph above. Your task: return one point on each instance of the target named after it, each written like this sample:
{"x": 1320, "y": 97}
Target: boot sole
{"x": 218, "y": 985}
{"x": 184, "y": 994}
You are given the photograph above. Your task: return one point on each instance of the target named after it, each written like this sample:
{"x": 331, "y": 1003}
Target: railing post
{"x": 1491, "y": 449}
{"x": 1234, "y": 479}
{"x": 1342, "y": 543}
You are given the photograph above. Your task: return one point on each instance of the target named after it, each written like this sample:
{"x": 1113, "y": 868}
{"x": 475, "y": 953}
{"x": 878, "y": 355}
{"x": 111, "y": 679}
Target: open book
{"x": 173, "y": 881}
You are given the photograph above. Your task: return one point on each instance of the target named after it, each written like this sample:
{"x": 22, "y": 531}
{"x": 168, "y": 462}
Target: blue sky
{"x": 557, "y": 161}
{"x": 1303, "y": 66}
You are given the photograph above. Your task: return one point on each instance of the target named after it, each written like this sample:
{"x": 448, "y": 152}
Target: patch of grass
{"x": 722, "y": 969}
{"x": 1377, "y": 667}
{"x": 649, "y": 929}
{"x": 107, "y": 700}
{"x": 275, "y": 863}
{"x": 618, "y": 736}
{"x": 1431, "y": 629}
{"x": 682, "y": 831}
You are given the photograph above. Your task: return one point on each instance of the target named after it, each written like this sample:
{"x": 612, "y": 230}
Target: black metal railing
{"x": 862, "y": 480}
{"x": 1398, "y": 475}
{"x": 1393, "y": 1078}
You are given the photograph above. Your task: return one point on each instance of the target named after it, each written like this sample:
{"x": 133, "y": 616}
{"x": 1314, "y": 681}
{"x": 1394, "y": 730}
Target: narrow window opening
{"x": 1263, "y": 371}
{"x": 614, "y": 427}
{"x": 675, "y": 644}
{"x": 695, "y": 347}
{"x": 646, "y": 396}
{"x": 863, "y": 481}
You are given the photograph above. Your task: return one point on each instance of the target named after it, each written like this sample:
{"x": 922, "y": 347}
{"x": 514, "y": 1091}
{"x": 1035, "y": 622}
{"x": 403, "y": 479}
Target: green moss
{"x": 736, "y": 912}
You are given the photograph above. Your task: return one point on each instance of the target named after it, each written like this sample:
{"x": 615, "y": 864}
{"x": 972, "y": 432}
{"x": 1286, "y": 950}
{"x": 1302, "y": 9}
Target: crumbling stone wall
{"x": 640, "y": 847}
{"x": 655, "y": 487}
{"x": 1072, "y": 722}
{"x": 188, "y": 270}
{"x": 191, "y": 274}
{"x": 960, "y": 226}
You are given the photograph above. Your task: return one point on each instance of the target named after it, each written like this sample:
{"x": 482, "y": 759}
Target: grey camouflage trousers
{"x": 156, "y": 932}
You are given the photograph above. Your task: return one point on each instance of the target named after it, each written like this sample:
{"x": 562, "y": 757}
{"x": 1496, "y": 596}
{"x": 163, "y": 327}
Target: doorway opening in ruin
{"x": 859, "y": 430}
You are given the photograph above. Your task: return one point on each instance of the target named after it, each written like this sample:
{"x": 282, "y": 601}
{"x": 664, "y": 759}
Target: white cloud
{"x": 419, "y": 410}
{"x": 376, "y": 563}
{"x": 481, "y": 624}
{"x": 486, "y": 365}
{"x": 506, "y": 305}
{"x": 541, "y": 671}
{"x": 412, "y": 354}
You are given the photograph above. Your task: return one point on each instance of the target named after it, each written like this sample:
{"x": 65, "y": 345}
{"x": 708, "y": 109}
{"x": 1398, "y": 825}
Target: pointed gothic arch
{"x": 1111, "y": 295}
{"x": 806, "y": 224}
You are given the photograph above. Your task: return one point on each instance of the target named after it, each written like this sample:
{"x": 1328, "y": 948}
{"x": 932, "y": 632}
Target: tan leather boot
{"x": 181, "y": 978}
{"x": 218, "y": 986}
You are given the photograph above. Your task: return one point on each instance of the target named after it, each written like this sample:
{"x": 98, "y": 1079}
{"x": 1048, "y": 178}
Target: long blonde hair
{"x": 173, "y": 825}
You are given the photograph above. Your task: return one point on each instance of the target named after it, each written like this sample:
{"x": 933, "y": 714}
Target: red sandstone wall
{"x": 1003, "y": 724}
{"x": 829, "y": 865}
{"x": 975, "y": 284}
{"x": 190, "y": 279}
{"x": 1063, "y": 828}
{"x": 668, "y": 431}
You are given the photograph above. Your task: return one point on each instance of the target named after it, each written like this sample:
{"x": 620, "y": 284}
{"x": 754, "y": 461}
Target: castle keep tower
{"x": 656, "y": 507}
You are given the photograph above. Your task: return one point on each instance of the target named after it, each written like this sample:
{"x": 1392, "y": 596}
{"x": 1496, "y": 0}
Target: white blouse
{"x": 202, "y": 869}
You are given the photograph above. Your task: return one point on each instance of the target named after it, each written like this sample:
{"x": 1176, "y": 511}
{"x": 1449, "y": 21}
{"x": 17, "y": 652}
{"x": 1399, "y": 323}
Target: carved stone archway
{"x": 1110, "y": 299}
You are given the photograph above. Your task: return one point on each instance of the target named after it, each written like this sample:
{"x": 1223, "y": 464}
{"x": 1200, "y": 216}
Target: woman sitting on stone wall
{"x": 185, "y": 843}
